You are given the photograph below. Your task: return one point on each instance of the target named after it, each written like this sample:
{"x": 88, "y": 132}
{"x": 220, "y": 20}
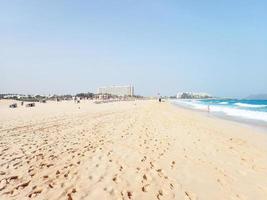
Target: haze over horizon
{"x": 158, "y": 46}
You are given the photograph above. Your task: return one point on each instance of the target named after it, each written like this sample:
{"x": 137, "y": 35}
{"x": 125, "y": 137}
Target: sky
{"x": 66, "y": 47}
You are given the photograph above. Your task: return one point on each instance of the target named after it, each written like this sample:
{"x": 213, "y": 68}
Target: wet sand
{"x": 127, "y": 150}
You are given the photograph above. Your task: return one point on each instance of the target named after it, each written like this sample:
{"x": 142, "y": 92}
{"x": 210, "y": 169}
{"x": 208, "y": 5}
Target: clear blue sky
{"x": 219, "y": 47}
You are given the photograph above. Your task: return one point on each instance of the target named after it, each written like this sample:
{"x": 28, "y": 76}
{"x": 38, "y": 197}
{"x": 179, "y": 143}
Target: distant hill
{"x": 192, "y": 95}
{"x": 257, "y": 96}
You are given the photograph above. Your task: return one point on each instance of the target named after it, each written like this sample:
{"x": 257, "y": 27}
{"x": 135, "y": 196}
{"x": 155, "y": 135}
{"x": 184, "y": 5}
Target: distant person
{"x": 159, "y": 99}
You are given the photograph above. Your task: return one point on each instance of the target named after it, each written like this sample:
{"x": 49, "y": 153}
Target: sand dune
{"x": 127, "y": 150}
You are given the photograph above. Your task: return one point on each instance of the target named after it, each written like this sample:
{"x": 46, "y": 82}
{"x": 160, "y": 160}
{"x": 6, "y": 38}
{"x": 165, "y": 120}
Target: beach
{"x": 127, "y": 150}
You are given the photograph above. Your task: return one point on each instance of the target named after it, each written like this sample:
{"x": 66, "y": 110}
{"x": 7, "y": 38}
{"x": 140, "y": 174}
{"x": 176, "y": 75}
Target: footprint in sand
{"x": 129, "y": 194}
{"x": 143, "y": 159}
{"x": 69, "y": 196}
{"x": 145, "y": 177}
{"x": 160, "y": 193}
{"x": 145, "y": 188}
{"x": 172, "y": 165}
{"x": 151, "y": 165}
{"x": 35, "y": 193}
{"x": 190, "y": 196}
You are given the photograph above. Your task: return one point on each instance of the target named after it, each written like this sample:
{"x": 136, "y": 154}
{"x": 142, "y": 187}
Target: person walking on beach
{"x": 159, "y": 97}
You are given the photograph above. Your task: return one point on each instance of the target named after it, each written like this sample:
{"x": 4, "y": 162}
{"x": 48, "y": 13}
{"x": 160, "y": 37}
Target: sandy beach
{"x": 127, "y": 150}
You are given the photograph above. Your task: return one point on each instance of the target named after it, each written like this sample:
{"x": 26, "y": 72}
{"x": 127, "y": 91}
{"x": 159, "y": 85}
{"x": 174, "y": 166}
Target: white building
{"x": 127, "y": 90}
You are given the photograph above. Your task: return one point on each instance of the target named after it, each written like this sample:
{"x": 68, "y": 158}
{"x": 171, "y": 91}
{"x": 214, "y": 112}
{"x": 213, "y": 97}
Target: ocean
{"x": 243, "y": 109}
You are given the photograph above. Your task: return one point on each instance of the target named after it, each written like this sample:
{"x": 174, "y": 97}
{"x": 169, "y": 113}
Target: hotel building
{"x": 127, "y": 90}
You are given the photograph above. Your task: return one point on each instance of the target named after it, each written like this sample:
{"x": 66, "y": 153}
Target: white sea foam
{"x": 234, "y": 112}
{"x": 192, "y": 104}
{"x": 223, "y": 103}
{"x": 249, "y": 105}
{"x": 247, "y": 114}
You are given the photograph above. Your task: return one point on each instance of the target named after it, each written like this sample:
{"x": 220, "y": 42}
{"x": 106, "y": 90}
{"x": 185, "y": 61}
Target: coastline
{"x": 257, "y": 124}
{"x": 128, "y": 150}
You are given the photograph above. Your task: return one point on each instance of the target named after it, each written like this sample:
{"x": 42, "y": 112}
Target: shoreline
{"x": 257, "y": 124}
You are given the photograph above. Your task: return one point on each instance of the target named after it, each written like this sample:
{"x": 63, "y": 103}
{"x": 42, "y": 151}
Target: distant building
{"x": 127, "y": 90}
{"x": 14, "y": 96}
{"x": 192, "y": 95}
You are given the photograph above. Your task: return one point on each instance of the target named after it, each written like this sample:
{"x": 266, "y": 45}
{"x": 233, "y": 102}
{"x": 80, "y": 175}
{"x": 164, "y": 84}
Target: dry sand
{"x": 127, "y": 150}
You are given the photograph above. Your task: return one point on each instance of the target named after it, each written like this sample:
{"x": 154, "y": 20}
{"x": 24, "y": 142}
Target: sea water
{"x": 239, "y": 108}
